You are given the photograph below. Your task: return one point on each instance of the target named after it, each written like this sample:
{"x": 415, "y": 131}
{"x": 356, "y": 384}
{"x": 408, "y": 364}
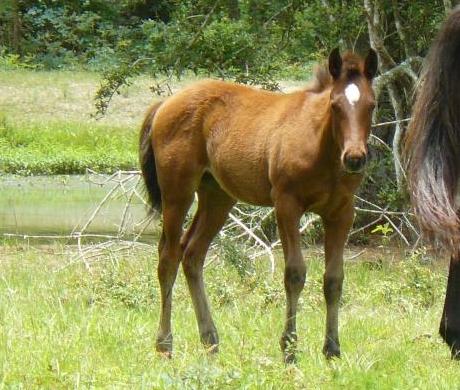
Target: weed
{"x": 385, "y": 230}
{"x": 417, "y": 284}
{"x": 234, "y": 255}
{"x": 272, "y": 294}
{"x": 118, "y": 284}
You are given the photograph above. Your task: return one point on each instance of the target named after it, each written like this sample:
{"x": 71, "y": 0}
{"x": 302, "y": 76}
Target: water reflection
{"x": 57, "y": 204}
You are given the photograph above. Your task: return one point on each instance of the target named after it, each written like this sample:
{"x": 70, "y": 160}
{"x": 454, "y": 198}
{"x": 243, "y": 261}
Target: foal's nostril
{"x": 355, "y": 164}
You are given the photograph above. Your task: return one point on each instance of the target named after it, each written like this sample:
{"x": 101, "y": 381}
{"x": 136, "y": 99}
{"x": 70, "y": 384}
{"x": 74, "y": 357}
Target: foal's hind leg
{"x": 450, "y": 321}
{"x": 336, "y": 232}
{"x": 213, "y": 208}
{"x": 175, "y": 207}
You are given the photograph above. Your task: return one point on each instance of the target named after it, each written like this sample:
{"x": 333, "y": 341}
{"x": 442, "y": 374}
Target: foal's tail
{"x": 432, "y": 147}
{"x": 147, "y": 159}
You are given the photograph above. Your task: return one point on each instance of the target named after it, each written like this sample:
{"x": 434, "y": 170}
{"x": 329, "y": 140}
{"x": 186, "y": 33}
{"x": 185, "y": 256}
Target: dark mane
{"x": 353, "y": 66}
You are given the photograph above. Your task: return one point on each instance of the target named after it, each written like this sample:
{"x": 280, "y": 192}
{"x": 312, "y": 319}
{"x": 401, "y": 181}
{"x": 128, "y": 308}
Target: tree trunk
{"x": 16, "y": 26}
{"x": 377, "y": 34}
{"x": 397, "y": 79}
{"x": 400, "y": 29}
{"x": 396, "y": 102}
{"x": 233, "y": 9}
{"x": 447, "y": 6}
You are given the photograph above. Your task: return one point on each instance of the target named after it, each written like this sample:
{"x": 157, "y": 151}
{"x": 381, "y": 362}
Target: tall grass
{"x": 77, "y": 329}
{"x": 61, "y": 147}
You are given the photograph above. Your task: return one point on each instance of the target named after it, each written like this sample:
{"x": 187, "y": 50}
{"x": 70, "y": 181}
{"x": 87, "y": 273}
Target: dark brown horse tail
{"x": 432, "y": 147}
{"x": 147, "y": 159}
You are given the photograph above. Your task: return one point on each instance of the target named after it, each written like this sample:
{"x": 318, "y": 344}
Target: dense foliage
{"x": 227, "y": 36}
{"x": 255, "y": 42}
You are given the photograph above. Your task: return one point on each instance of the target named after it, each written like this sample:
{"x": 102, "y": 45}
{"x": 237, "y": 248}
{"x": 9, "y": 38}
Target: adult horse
{"x": 433, "y": 162}
{"x": 300, "y": 151}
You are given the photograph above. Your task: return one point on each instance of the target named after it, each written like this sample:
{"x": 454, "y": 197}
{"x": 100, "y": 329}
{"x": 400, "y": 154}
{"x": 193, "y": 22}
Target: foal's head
{"x": 352, "y": 104}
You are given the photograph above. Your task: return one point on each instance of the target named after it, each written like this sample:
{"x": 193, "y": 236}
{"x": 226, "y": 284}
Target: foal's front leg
{"x": 336, "y": 231}
{"x": 288, "y": 214}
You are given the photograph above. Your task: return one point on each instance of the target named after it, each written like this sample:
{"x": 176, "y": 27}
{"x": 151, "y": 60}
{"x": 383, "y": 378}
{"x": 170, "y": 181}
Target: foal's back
{"x": 241, "y": 135}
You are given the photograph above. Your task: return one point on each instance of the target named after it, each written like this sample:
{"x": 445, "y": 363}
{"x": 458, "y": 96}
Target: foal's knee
{"x": 294, "y": 277}
{"x": 169, "y": 261}
{"x": 332, "y": 288}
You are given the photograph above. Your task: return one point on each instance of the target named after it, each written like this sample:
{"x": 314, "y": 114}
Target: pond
{"x": 57, "y": 205}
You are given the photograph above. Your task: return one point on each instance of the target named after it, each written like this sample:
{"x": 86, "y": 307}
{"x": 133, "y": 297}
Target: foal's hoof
{"x": 290, "y": 358}
{"x": 210, "y": 341}
{"x": 331, "y": 349}
{"x": 288, "y": 344}
{"x": 164, "y": 346}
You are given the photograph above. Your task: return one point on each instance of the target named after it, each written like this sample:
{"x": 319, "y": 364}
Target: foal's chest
{"x": 326, "y": 196}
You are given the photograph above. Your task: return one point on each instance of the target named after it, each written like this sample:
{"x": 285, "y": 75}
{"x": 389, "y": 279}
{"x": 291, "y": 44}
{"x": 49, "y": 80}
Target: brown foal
{"x": 298, "y": 152}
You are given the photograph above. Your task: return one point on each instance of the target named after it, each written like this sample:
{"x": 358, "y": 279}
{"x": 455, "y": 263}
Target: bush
{"x": 10, "y": 61}
{"x": 235, "y": 256}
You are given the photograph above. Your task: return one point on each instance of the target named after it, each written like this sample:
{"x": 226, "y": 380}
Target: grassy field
{"x": 70, "y": 328}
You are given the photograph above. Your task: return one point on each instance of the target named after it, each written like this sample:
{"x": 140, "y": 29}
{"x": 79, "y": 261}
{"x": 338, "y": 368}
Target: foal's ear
{"x": 371, "y": 64}
{"x": 335, "y": 63}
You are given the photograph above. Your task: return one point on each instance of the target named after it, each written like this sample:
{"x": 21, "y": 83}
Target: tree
{"x": 11, "y": 32}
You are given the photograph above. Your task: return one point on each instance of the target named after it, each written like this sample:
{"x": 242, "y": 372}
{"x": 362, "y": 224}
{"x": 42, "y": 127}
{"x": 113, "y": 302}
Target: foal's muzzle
{"x": 355, "y": 163}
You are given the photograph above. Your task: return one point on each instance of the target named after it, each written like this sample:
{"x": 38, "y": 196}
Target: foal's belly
{"x": 236, "y": 159}
{"x": 244, "y": 180}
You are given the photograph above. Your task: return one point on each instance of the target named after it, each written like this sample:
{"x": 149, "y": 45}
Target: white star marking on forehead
{"x": 352, "y": 93}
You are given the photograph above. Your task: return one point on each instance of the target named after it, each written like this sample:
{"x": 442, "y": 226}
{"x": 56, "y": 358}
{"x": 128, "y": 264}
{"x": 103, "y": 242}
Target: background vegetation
{"x": 46, "y": 125}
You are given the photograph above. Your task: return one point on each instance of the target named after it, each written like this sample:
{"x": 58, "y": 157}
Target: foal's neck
{"x": 330, "y": 149}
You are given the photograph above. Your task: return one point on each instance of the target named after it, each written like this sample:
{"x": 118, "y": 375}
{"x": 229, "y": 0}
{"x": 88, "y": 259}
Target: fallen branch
{"x": 244, "y": 225}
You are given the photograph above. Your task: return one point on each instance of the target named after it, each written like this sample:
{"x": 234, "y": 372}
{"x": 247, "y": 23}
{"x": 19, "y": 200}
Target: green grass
{"x": 47, "y": 127}
{"x": 60, "y": 147}
{"x": 77, "y": 329}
